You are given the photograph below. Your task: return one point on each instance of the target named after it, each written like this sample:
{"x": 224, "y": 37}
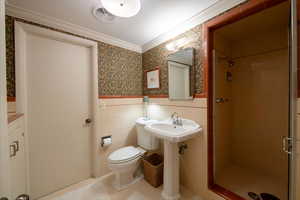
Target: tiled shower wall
{"x": 120, "y": 71}
{"x": 260, "y": 98}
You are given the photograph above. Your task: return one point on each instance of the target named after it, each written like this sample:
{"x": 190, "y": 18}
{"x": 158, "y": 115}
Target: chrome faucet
{"x": 176, "y": 120}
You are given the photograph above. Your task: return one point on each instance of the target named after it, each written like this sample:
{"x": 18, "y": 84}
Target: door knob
{"x": 88, "y": 121}
{"x": 23, "y": 197}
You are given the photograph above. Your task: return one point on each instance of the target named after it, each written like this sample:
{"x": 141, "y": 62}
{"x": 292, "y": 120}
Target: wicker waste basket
{"x": 153, "y": 169}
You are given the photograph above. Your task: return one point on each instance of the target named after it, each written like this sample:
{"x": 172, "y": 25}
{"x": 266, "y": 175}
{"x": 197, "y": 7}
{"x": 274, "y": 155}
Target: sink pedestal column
{"x": 171, "y": 172}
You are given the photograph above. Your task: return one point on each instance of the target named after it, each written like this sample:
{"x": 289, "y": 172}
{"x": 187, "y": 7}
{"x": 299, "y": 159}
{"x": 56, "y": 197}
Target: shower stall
{"x": 251, "y": 105}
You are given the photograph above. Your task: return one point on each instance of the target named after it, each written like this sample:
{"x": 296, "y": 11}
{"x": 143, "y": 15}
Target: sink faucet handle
{"x": 180, "y": 121}
{"x": 174, "y": 114}
{"x": 174, "y": 118}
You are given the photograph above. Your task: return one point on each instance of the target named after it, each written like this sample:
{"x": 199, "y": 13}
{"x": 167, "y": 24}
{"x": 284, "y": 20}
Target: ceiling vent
{"x": 103, "y": 15}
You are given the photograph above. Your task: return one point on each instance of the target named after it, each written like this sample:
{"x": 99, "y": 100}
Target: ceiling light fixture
{"x": 122, "y": 8}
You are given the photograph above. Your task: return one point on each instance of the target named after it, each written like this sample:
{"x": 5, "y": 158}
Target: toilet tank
{"x": 145, "y": 139}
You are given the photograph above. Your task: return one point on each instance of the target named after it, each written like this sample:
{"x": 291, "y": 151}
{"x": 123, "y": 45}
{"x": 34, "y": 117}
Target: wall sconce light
{"x": 172, "y": 46}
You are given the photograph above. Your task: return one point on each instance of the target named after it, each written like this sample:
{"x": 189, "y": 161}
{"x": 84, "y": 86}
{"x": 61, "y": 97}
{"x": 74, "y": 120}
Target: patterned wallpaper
{"x": 157, "y": 56}
{"x": 10, "y": 56}
{"x": 120, "y": 70}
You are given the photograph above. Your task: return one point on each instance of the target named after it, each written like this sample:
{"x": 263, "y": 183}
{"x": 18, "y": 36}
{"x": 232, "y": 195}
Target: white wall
{"x": 11, "y": 107}
{"x": 117, "y": 118}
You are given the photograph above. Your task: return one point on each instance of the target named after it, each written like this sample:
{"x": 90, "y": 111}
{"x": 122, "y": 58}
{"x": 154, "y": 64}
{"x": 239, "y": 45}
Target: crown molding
{"x": 68, "y": 27}
{"x": 206, "y": 14}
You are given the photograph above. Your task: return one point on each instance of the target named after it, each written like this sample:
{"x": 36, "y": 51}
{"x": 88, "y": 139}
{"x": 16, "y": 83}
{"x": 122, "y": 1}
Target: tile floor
{"x": 242, "y": 180}
{"x": 101, "y": 189}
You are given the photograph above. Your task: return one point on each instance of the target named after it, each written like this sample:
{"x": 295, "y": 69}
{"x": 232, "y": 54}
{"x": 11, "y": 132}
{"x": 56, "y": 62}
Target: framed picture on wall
{"x": 152, "y": 78}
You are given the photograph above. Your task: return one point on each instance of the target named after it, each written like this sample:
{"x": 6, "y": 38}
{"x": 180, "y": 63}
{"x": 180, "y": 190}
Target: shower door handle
{"x": 221, "y": 100}
{"x": 287, "y": 145}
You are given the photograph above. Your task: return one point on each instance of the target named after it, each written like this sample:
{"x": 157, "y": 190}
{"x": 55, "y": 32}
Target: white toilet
{"x": 125, "y": 162}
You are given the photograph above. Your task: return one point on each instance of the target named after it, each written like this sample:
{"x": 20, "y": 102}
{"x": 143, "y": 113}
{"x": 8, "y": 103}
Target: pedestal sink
{"x": 172, "y": 134}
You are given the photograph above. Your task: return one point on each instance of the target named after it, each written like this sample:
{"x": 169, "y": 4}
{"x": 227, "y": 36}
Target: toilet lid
{"x": 124, "y": 154}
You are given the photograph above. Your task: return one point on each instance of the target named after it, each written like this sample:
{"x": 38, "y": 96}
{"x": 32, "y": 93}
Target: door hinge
{"x": 287, "y": 145}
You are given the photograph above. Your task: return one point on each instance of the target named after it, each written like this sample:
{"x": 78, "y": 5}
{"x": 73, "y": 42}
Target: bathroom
{"x": 183, "y": 72}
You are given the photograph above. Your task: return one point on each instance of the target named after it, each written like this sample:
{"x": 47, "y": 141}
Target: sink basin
{"x": 174, "y": 133}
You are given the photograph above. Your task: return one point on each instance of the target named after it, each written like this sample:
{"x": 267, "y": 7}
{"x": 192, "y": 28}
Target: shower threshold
{"x": 244, "y": 180}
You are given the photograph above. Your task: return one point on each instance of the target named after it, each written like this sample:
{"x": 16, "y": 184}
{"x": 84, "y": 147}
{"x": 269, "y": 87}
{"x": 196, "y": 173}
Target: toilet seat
{"x": 124, "y": 154}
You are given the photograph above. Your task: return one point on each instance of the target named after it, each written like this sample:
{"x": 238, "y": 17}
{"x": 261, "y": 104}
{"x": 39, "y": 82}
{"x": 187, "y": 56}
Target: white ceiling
{"x": 155, "y": 18}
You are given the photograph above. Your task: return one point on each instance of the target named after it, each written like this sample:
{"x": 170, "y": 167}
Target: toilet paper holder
{"x": 106, "y": 141}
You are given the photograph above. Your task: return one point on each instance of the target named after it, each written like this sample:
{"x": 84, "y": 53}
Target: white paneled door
{"x": 58, "y": 76}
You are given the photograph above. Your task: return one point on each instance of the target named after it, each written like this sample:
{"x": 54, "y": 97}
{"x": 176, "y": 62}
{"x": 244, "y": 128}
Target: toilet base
{"x": 119, "y": 186}
{"x": 126, "y": 173}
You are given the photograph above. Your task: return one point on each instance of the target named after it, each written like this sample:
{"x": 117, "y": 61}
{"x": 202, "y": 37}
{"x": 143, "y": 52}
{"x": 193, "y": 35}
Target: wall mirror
{"x": 181, "y": 70}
